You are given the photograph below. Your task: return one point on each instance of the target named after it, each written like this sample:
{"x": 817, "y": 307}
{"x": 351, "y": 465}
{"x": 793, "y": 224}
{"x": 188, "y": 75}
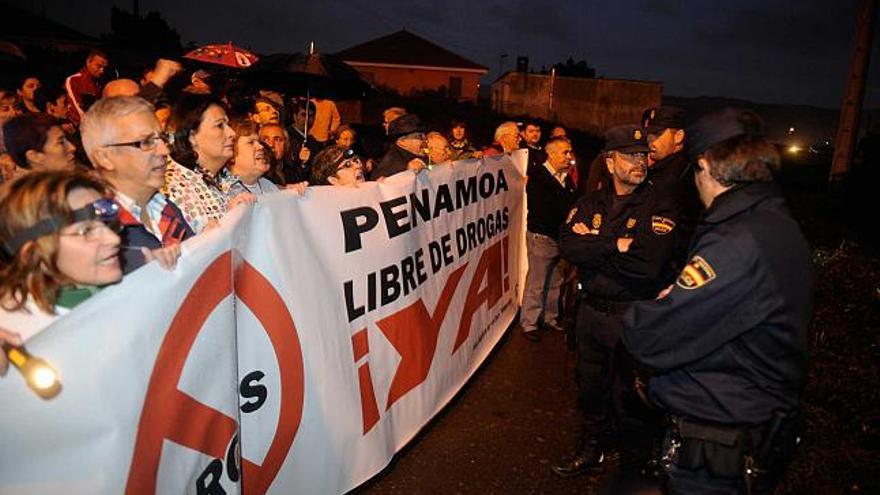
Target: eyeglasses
{"x": 347, "y": 160}
{"x": 103, "y": 213}
{"x": 148, "y": 143}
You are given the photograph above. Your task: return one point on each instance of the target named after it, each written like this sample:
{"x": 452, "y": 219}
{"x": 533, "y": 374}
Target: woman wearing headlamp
{"x": 58, "y": 247}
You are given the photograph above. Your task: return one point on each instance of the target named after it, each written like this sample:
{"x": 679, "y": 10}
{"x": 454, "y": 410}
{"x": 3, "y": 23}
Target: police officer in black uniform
{"x": 669, "y": 170}
{"x": 728, "y": 340}
{"x": 621, "y": 239}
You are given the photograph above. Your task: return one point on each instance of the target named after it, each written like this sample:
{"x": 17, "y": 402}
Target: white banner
{"x": 315, "y": 335}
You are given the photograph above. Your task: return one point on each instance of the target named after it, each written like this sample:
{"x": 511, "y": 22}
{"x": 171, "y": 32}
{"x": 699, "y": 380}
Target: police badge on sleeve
{"x": 697, "y": 273}
{"x": 662, "y": 225}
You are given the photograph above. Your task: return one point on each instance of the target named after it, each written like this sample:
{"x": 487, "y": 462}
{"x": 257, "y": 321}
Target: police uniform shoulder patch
{"x": 637, "y": 134}
{"x": 697, "y": 273}
{"x": 662, "y": 225}
{"x": 597, "y": 221}
{"x": 630, "y": 223}
{"x": 571, "y": 215}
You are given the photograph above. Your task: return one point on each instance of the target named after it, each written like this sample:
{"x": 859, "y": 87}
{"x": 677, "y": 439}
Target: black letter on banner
{"x": 392, "y": 218}
{"x": 353, "y": 311}
{"x": 353, "y": 228}
{"x": 249, "y": 391}
{"x": 212, "y": 487}
{"x": 420, "y": 207}
{"x": 465, "y": 192}
{"x": 487, "y": 185}
{"x": 436, "y": 256}
{"x": 231, "y": 466}
{"x": 390, "y": 286}
{"x": 447, "y": 249}
{"x": 502, "y": 182}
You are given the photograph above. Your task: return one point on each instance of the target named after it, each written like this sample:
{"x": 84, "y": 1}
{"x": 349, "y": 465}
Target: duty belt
{"x": 604, "y": 304}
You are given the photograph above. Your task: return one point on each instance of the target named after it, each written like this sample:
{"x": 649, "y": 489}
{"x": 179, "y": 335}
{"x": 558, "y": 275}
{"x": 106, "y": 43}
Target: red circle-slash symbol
{"x": 172, "y": 414}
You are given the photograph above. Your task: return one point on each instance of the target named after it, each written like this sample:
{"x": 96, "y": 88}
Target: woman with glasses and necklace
{"x": 57, "y": 247}
{"x": 203, "y": 144}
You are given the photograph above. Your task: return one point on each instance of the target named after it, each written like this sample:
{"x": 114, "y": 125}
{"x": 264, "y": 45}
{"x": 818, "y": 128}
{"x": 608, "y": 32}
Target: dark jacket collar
{"x": 738, "y": 199}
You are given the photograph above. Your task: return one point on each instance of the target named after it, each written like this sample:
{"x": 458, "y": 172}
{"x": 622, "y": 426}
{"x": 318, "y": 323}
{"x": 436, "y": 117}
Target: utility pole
{"x": 848, "y": 128}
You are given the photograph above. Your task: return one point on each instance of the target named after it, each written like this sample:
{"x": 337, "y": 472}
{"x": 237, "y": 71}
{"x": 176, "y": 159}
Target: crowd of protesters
{"x": 102, "y": 177}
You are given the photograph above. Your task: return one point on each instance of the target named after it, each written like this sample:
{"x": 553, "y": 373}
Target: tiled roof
{"x": 406, "y": 48}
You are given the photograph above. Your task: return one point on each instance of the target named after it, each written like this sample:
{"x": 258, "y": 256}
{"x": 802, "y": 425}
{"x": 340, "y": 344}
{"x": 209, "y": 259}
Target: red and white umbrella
{"x": 227, "y": 55}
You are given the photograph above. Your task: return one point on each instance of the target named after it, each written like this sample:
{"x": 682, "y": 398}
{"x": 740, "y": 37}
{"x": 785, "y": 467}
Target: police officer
{"x": 728, "y": 340}
{"x": 621, "y": 239}
{"x": 669, "y": 171}
{"x": 667, "y": 163}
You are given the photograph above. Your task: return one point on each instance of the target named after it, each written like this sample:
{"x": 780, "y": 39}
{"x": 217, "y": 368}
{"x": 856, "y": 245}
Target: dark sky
{"x": 774, "y": 51}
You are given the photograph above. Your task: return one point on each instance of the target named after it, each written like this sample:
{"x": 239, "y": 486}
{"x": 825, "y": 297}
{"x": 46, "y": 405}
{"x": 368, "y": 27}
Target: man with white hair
{"x": 438, "y": 148}
{"x": 124, "y": 142}
{"x": 507, "y": 139}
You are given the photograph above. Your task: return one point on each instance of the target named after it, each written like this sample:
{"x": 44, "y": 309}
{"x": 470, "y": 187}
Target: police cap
{"x": 626, "y": 139}
{"x": 656, "y": 120}
{"x": 719, "y": 126}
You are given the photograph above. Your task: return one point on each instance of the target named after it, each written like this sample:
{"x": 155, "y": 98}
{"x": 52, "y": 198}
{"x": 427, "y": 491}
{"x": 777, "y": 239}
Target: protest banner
{"x": 294, "y": 349}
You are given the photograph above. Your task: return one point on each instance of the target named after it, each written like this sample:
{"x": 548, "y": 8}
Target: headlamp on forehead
{"x": 103, "y": 210}
{"x": 347, "y": 159}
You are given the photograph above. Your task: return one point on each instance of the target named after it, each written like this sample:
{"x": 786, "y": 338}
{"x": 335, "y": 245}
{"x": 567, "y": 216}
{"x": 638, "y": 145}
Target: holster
{"x": 745, "y": 452}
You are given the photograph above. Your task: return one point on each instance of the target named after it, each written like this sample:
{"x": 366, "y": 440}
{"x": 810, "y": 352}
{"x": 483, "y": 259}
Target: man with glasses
{"x": 507, "y": 139}
{"x": 337, "y": 166}
{"x": 124, "y": 142}
{"x": 550, "y": 194}
{"x": 408, "y": 150}
{"x": 621, "y": 239}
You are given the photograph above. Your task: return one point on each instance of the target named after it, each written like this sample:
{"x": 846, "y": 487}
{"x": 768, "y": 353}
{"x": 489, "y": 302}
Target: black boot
{"x": 589, "y": 456}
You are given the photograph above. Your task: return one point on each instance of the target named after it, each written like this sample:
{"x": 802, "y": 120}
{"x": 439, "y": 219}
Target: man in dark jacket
{"x": 408, "y": 150}
{"x": 728, "y": 340}
{"x": 621, "y": 238}
{"x": 550, "y": 193}
{"x": 531, "y": 140}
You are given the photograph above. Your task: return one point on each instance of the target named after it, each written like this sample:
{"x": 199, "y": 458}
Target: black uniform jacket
{"x": 644, "y": 216}
{"x": 730, "y": 339}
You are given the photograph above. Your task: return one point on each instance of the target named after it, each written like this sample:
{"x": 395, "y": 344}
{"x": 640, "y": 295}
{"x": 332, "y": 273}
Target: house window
{"x": 455, "y": 87}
